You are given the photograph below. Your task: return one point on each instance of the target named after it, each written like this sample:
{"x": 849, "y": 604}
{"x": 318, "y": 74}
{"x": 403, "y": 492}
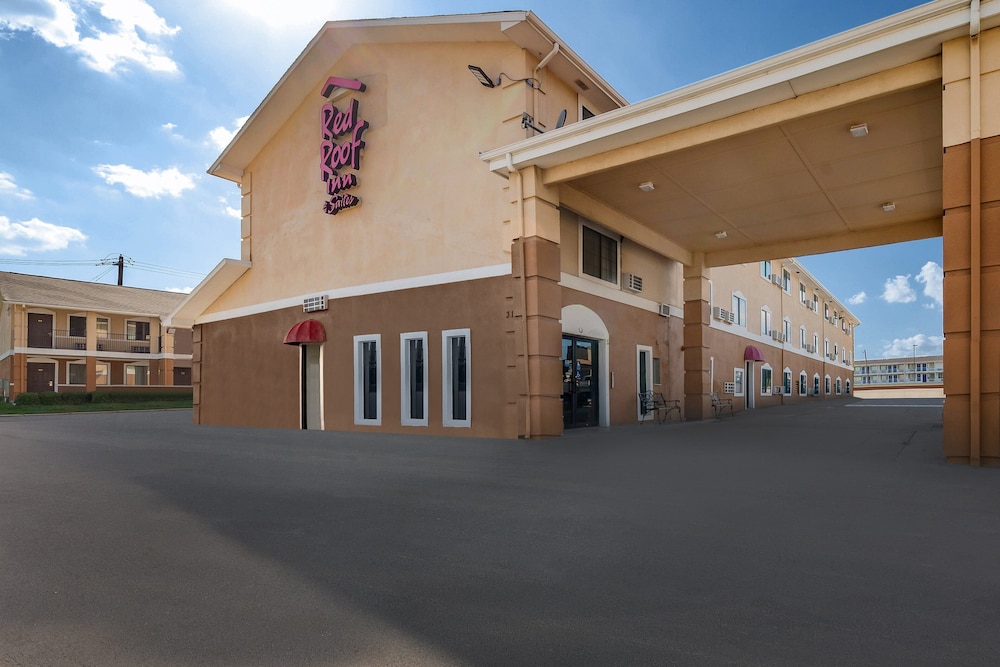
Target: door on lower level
{"x": 41, "y": 377}
{"x": 580, "y": 373}
{"x": 312, "y": 393}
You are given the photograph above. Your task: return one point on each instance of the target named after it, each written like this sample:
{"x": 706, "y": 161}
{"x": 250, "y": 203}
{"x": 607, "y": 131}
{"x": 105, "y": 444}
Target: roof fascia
{"x": 942, "y": 19}
{"x": 222, "y": 277}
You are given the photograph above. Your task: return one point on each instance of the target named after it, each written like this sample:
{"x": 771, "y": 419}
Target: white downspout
{"x": 539, "y": 67}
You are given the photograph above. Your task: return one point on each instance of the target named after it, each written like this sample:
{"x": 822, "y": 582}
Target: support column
{"x": 971, "y": 202}
{"x": 536, "y": 307}
{"x": 697, "y": 363}
{"x": 91, "y": 346}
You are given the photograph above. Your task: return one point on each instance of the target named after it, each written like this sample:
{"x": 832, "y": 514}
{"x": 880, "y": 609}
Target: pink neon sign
{"x": 341, "y": 146}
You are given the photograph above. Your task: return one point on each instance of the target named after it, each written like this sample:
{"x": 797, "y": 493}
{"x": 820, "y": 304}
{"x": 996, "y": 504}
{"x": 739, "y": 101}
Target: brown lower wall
{"x": 244, "y": 375}
{"x": 629, "y": 327}
{"x": 728, "y": 349}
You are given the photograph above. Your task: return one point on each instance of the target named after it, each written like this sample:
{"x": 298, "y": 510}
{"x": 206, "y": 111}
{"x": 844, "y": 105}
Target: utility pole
{"x": 121, "y": 270}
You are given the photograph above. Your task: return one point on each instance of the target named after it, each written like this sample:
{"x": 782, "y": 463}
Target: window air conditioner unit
{"x": 777, "y": 391}
{"x": 810, "y": 348}
{"x": 722, "y": 314}
{"x": 778, "y": 335}
{"x": 776, "y": 279}
{"x": 314, "y": 303}
{"x": 664, "y": 310}
{"x": 633, "y": 282}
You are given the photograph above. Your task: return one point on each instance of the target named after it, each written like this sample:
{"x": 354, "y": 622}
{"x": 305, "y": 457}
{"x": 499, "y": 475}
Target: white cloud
{"x": 9, "y": 187}
{"x": 903, "y": 347}
{"x": 221, "y": 136}
{"x": 135, "y": 29}
{"x": 858, "y": 298}
{"x": 932, "y": 276}
{"x": 898, "y": 290}
{"x": 180, "y": 290}
{"x": 229, "y": 210}
{"x": 169, "y": 127}
{"x": 155, "y": 183}
{"x": 19, "y": 238}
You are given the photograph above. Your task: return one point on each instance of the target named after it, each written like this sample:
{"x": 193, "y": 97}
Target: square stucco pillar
{"x": 697, "y": 364}
{"x": 971, "y": 230}
{"x": 536, "y": 269}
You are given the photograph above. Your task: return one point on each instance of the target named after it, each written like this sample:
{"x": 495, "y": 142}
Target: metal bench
{"x": 720, "y": 405}
{"x": 653, "y": 403}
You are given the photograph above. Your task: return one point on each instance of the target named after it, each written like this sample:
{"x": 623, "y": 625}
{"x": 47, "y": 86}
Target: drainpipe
{"x": 540, "y": 66}
{"x": 519, "y": 229}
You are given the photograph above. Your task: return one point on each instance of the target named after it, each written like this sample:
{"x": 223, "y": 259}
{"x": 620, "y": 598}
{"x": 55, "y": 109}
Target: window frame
{"x": 405, "y": 398}
{"x": 739, "y": 309}
{"x": 134, "y": 365}
{"x": 604, "y": 233}
{"x": 359, "y": 380}
{"x": 803, "y": 383}
{"x": 770, "y": 380}
{"x": 76, "y": 362}
{"x": 447, "y": 390}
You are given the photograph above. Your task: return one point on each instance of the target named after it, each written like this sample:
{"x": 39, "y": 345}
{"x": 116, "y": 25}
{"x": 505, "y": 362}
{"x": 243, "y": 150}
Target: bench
{"x": 720, "y": 405}
{"x": 653, "y": 403}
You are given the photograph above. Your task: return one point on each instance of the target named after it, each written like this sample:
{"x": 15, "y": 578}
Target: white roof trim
{"x": 944, "y": 19}
{"x": 222, "y": 277}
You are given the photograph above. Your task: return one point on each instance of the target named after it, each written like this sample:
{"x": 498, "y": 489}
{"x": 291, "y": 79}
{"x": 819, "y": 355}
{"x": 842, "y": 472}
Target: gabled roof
{"x": 336, "y": 37}
{"x": 48, "y": 292}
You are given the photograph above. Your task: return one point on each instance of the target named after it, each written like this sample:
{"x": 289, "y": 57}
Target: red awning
{"x": 752, "y": 353}
{"x": 306, "y": 332}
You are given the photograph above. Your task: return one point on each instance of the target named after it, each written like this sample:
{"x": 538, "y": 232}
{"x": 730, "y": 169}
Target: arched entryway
{"x": 585, "y": 373}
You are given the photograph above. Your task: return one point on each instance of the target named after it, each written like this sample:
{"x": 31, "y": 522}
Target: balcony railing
{"x": 105, "y": 343}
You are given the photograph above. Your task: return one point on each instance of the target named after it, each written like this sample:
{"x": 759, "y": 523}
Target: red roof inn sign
{"x": 341, "y": 146}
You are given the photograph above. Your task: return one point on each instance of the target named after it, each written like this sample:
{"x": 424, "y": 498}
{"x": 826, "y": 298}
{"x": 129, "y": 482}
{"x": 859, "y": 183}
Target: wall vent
{"x": 314, "y": 303}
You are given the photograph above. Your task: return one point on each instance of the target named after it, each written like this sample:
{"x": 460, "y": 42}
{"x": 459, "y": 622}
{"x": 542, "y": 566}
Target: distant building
{"x": 919, "y": 371}
{"x": 68, "y": 335}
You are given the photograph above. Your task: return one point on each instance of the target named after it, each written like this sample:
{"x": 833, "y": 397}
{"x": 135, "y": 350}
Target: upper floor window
{"x": 765, "y": 321}
{"x": 787, "y": 324}
{"x": 78, "y": 326}
{"x": 740, "y": 309}
{"x": 786, "y": 281}
{"x": 765, "y": 269}
{"x": 600, "y": 255}
{"x": 103, "y": 327}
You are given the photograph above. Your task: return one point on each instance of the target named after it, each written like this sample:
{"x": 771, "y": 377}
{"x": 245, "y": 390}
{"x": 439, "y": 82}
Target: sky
{"x": 112, "y": 110}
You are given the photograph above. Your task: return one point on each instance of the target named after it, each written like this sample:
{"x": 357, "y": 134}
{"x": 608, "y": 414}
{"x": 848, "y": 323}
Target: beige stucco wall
{"x": 420, "y": 180}
{"x": 956, "y": 83}
{"x": 663, "y": 279}
{"x": 730, "y": 340}
{"x": 6, "y": 327}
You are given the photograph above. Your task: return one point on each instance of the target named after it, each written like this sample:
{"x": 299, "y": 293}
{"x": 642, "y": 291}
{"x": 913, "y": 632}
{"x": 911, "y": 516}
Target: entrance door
{"x": 312, "y": 396}
{"x": 580, "y": 374}
{"x": 749, "y": 387}
{"x": 39, "y": 330}
{"x": 41, "y": 377}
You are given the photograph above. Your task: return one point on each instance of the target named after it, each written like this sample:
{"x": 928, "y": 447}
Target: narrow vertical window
{"x": 456, "y": 369}
{"x": 413, "y": 396}
{"x": 368, "y": 380}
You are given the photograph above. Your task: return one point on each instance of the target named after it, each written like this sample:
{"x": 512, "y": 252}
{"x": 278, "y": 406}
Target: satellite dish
{"x": 562, "y": 119}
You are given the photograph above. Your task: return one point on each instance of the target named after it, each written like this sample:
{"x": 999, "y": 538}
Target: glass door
{"x": 580, "y": 373}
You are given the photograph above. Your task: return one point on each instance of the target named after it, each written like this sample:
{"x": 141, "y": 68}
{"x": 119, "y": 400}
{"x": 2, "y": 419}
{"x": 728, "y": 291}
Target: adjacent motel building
{"x": 455, "y": 223}
{"x": 70, "y": 336}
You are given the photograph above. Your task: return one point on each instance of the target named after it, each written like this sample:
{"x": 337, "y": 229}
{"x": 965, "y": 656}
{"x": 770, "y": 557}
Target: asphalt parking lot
{"x": 829, "y": 533}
